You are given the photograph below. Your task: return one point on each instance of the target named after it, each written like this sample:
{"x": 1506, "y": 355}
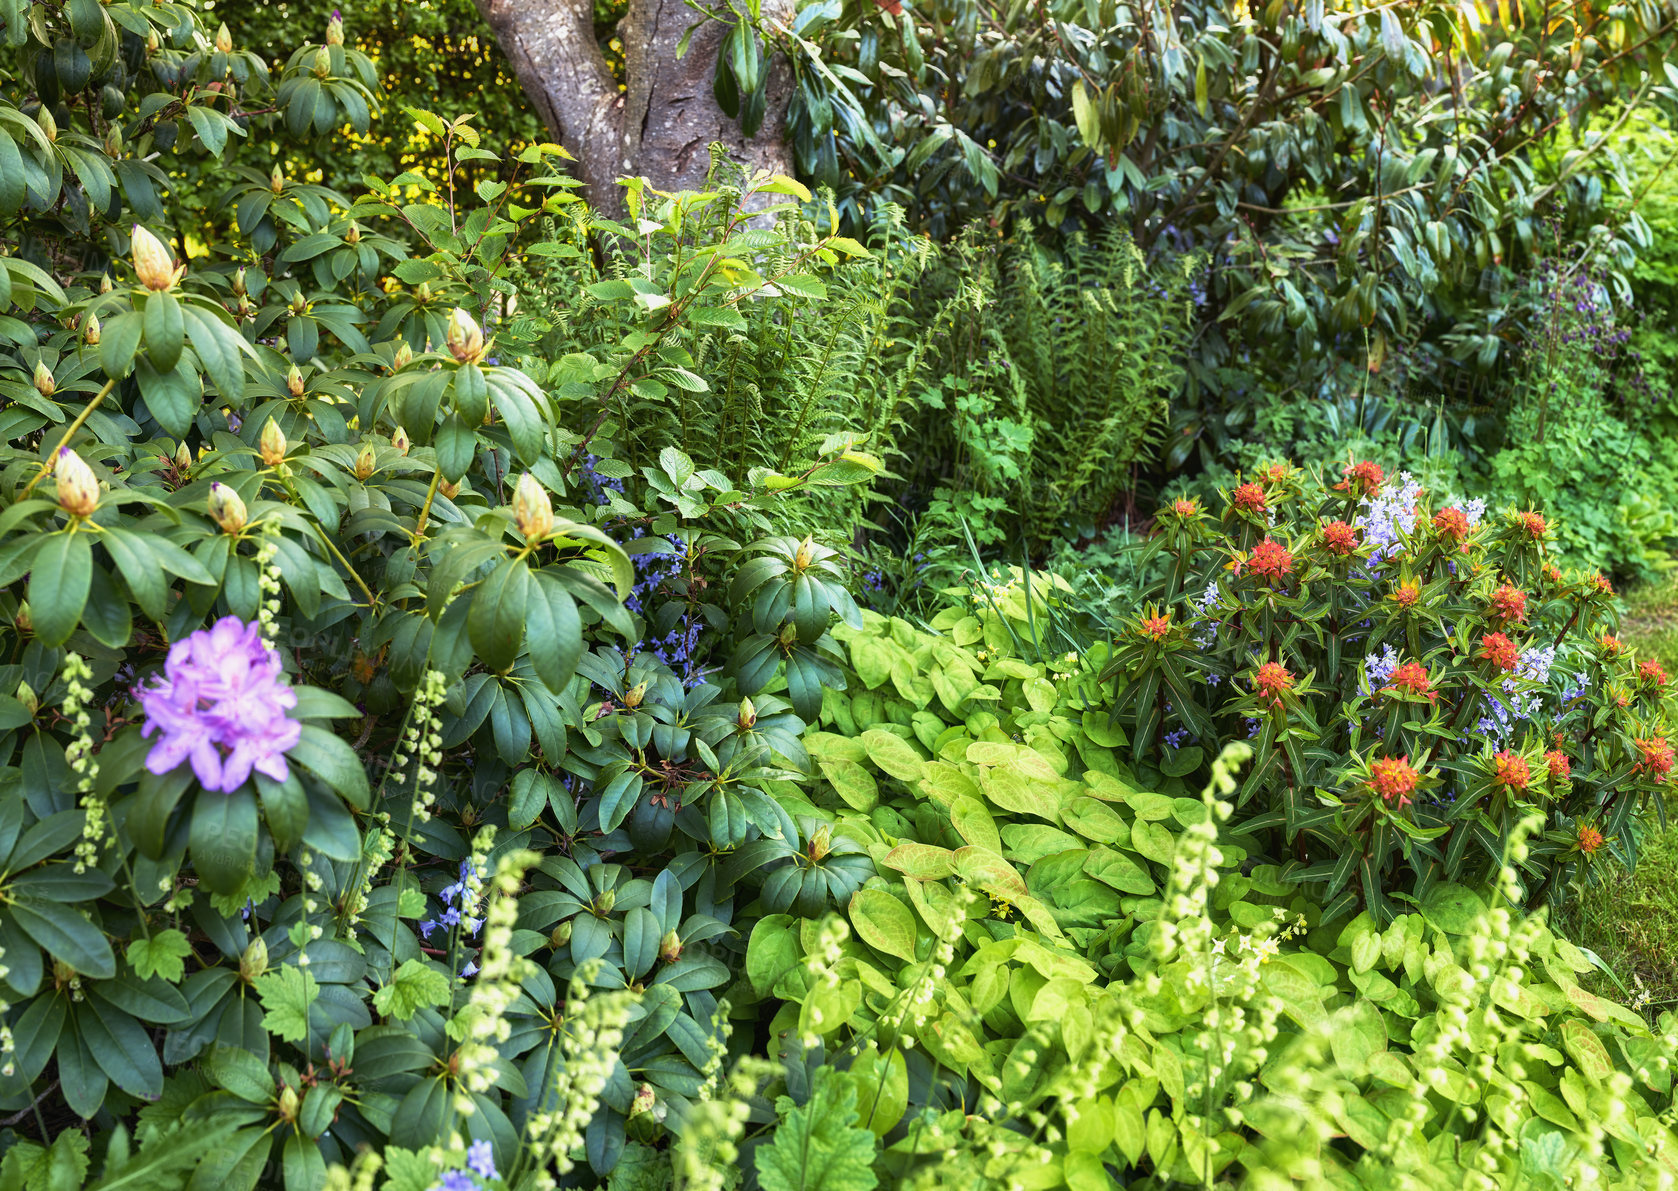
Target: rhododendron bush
{"x": 1414, "y": 672}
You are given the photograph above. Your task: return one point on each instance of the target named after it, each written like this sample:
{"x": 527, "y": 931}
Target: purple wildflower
{"x": 481, "y": 1158}
{"x": 456, "y": 1180}
{"x": 221, "y": 704}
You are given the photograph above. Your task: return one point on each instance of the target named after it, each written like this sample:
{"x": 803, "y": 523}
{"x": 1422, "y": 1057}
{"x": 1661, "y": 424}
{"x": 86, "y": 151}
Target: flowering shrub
{"x": 1415, "y": 675}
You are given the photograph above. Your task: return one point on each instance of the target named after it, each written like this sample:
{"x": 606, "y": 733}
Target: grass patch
{"x": 1631, "y": 921}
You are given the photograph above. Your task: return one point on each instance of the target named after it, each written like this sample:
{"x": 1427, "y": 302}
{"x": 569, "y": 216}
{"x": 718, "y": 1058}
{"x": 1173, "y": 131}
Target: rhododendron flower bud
{"x": 105, "y": 286}
{"x": 399, "y": 441}
{"x": 238, "y": 286}
{"x": 224, "y": 39}
{"x": 25, "y": 622}
{"x": 449, "y": 489}
{"x": 152, "y": 43}
{"x": 353, "y": 234}
{"x": 91, "y": 332}
{"x": 226, "y": 509}
{"x": 366, "y": 462}
{"x": 335, "y": 29}
{"x": 748, "y": 714}
{"x": 272, "y": 444}
{"x": 152, "y": 263}
{"x": 464, "y": 337}
{"x": 533, "y": 512}
{"x": 403, "y": 357}
{"x": 183, "y": 457}
{"x": 113, "y": 141}
{"x": 805, "y": 555}
{"x": 323, "y": 63}
{"x": 633, "y": 696}
{"x": 43, "y": 381}
{"x": 48, "y": 126}
{"x": 276, "y": 179}
{"x": 670, "y": 947}
{"x": 78, "y": 488}
{"x": 25, "y": 694}
{"x": 294, "y": 381}
{"x": 254, "y": 962}
{"x": 821, "y": 842}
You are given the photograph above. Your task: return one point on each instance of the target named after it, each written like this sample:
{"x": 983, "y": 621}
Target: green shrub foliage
{"x": 1416, "y": 676}
{"x": 440, "y": 746}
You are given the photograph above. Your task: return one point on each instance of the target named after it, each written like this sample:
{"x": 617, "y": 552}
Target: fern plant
{"x": 670, "y": 340}
{"x": 1054, "y": 376}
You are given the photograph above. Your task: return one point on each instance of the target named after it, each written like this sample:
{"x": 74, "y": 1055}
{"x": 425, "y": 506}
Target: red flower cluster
{"x": 1657, "y": 758}
{"x": 1649, "y": 670}
{"x": 1499, "y": 650}
{"x": 1406, "y": 594}
{"x": 1339, "y": 538}
{"x": 1272, "y": 681}
{"x": 1451, "y": 523}
{"x": 1559, "y": 766}
{"x": 1412, "y": 677}
{"x": 1362, "y": 479}
{"x": 1509, "y": 604}
{"x": 1271, "y": 559}
{"x": 1610, "y": 645}
{"x": 1185, "y": 508}
{"x": 1156, "y": 627}
{"x": 1275, "y": 473}
{"x": 1590, "y": 839}
{"x": 1250, "y": 497}
{"x": 1394, "y": 779}
{"x": 1599, "y": 584}
{"x": 1511, "y": 770}
{"x": 1535, "y": 525}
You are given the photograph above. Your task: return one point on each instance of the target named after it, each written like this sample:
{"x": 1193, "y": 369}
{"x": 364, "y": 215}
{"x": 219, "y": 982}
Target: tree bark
{"x": 661, "y": 123}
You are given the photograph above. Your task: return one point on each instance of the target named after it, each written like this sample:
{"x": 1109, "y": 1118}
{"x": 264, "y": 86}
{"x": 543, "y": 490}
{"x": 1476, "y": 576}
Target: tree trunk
{"x": 661, "y": 124}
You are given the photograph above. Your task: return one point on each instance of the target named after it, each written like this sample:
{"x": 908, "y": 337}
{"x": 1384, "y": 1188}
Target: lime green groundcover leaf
{"x": 415, "y": 986}
{"x": 163, "y": 954}
{"x": 819, "y": 1147}
{"x": 286, "y": 995}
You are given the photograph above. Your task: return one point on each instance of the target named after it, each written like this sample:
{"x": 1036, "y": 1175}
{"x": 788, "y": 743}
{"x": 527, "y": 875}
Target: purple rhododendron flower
{"x": 222, "y": 706}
